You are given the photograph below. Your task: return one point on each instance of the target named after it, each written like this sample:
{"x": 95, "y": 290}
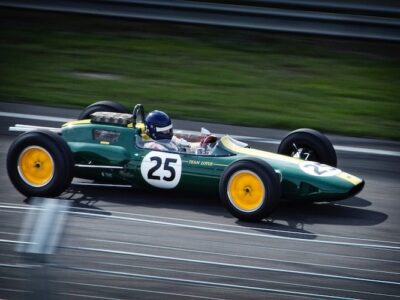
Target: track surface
{"x": 129, "y": 244}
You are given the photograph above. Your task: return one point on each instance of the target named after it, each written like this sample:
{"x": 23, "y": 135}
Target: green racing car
{"x": 108, "y": 145}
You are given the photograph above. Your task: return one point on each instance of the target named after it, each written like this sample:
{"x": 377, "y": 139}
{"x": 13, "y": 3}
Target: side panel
{"x": 101, "y": 152}
{"x": 180, "y": 171}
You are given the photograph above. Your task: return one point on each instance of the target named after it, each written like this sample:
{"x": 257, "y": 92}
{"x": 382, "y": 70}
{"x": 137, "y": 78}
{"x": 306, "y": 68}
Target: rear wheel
{"x": 40, "y": 163}
{"x": 250, "y": 190}
{"x": 109, "y": 106}
{"x": 309, "y": 144}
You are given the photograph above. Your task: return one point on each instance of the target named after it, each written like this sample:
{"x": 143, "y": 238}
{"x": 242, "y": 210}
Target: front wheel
{"x": 250, "y": 190}
{"x": 40, "y": 163}
{"x": 309, "y": 144}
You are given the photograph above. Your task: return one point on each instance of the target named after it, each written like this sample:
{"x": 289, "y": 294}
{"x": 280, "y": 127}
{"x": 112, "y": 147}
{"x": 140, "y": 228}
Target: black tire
{"x": 322, "y": 150}
{"x": 110, "y": 106}
{"x": 62, "y": 161}
{"x": 267, "y": 177}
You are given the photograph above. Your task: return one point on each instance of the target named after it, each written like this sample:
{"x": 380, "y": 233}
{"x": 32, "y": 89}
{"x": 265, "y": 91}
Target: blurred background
{"x": 329, "y": 65}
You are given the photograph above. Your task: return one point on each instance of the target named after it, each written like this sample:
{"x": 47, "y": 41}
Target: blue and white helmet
{"x": 158, "y": 125}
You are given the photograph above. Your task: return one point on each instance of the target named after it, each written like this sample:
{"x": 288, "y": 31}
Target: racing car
{"x": 106, "y": 144}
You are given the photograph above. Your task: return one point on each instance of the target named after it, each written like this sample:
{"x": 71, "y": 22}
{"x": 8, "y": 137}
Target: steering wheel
{"x": 138, "y": 111}
{"x": 209, "y": 139}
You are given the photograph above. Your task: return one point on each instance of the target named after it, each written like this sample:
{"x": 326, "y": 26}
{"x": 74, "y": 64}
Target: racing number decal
{"x": 162, "y": 169}
{"x": 317, "y": 169}
{"x": 167, "y": 167}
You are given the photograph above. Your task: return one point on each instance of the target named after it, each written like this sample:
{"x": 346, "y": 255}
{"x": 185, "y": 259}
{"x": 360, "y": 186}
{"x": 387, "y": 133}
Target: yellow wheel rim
{"x": 246, "y": 191}
{"x": 36, "y": 166}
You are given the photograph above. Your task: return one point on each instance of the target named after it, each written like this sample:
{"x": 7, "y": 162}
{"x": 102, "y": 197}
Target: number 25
{"x": 167, "y": 167}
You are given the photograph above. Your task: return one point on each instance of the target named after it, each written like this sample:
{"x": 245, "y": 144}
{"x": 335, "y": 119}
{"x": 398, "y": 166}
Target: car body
{"x": 110, "y": 150}
{"x": 122, "y": 161}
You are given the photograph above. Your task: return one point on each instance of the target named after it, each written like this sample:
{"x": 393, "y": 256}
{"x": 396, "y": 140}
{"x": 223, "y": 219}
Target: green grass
{"x": 198, "y": 73}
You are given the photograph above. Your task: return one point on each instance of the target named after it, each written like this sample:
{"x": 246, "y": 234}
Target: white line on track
{"x": 242, "y": 256}
{"x": 88, "y": 296}
{"x": 12, "y": 241}
{"x": 9, "y": 233}
{"x": 255, "y": 139}
{"x": 11, "y": 205}
{"x": 136, "y": 290}
{"x": 382, "y": 247}
{"x": 33, "y": 117}
{"x": 14, "y": 290}
{"x": 367, "y": 150}
{"x": 252, "y": 228}
{"x": 17, "y": 266}
{"x": 340, "y": 148}
{"x": 239, "y": 266}
{"x": 215, "y": 263}
{"x": 22, "y": 266}
{"x": 13, "y": 278}
{"x": 209, "y": 275}
{"x": 205, "y": 283}
{"x": 266, "y": 247}
{"x": 173, "y": 224}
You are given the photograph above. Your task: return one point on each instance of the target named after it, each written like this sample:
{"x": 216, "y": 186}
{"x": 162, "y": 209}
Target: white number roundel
{"x": 162, "y": 169}
{"x": 317, "y": 169}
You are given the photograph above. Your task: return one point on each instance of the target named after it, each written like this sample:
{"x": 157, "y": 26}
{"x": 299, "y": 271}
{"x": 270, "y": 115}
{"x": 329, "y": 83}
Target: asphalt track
{"x": 129, "y": 244}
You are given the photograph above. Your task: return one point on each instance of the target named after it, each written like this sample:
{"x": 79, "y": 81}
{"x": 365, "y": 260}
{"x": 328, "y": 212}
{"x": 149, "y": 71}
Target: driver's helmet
{"x": 158, "y": 125}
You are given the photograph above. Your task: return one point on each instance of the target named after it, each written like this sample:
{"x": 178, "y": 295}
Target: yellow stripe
{"x": 264, "y": 154}
{"x": 77, "y": 122}
{"x": 350, "y": 178}
{"x": 219, "y": 165}
{"x": 225, "y": 140}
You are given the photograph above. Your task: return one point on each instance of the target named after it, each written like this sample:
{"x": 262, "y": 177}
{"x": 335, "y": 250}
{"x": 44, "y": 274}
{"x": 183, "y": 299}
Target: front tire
{"x": 40, "y": 163}
{"x": 250, "y": 189}
{"x": 109, "y": 106}
{"x": 309, "y": 144}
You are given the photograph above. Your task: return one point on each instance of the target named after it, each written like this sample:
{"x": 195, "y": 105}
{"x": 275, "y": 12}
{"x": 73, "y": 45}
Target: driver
{"x": 158, "y": 127}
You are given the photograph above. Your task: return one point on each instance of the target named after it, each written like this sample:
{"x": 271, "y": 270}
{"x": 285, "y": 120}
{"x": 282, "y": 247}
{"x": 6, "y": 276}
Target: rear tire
{"x": 40, "y": 163}
{"x": 109, "y": 106}
{"x": 311, "y": 141}
{"x": 250, "y": 189}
